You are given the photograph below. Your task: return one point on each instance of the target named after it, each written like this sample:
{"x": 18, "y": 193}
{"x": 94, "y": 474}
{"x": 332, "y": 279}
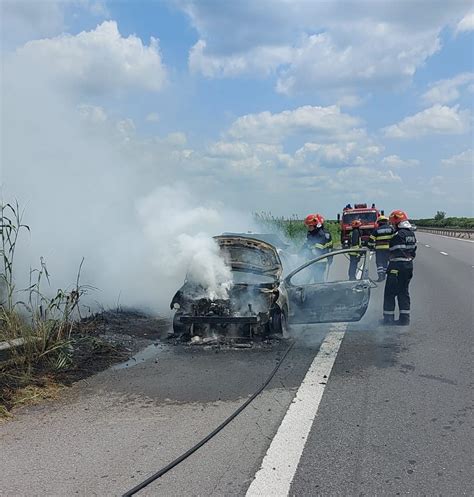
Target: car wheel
{"x": 280, "y": 323}
{"x": 179, "y": 328}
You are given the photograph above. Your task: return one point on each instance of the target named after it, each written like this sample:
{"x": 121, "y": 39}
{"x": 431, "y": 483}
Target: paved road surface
{"x": 395, "y": 416}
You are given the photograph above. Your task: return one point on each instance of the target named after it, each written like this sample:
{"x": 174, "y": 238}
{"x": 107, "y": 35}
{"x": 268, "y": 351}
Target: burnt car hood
{"x": 250, "y": 255}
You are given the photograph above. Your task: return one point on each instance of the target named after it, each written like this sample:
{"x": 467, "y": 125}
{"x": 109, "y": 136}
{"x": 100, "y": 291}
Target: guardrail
{"x": 454, "y": 232}
{"x": 7, "y": 347}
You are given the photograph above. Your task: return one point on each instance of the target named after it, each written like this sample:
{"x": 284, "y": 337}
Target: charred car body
{"x": 259, "y": 301}
{"x": 255, "y": 304}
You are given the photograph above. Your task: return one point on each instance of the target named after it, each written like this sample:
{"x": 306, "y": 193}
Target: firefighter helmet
{"x": 357, "y": 223}
{"x": 315, "y": 220}
{"x": 396, "y": 217}
{"x": 382, "y": 219}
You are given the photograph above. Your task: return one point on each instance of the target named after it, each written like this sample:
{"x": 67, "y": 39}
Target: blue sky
{"x": 288, "y": 107}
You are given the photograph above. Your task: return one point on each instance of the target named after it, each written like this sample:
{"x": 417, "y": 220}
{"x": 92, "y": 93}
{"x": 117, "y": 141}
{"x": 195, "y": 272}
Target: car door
{"x": 333, "y": 297}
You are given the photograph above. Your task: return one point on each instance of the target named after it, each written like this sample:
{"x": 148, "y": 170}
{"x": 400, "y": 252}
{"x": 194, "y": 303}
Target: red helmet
{"x": 397, "y": 217}
{"x": 357, "y": 223}
{"x": 314, "y": 220}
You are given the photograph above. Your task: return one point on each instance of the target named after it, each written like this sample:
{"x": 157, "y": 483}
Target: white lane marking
{"x": 444, "y": 253}
{"x": 281, "y": 460}
{"x": 428, "y": 246}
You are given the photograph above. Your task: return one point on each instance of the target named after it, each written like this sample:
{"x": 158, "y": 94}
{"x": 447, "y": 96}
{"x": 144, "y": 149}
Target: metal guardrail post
{"x": 453, "y": 232}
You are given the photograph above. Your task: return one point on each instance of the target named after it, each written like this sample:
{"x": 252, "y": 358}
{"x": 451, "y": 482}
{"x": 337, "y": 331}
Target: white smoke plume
{"x": 175, "y": 229}
{"x": 90, "y": 188}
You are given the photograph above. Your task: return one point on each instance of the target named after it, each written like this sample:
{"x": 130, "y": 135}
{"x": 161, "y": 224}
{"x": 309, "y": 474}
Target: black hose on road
{"x": 184, "y": 456}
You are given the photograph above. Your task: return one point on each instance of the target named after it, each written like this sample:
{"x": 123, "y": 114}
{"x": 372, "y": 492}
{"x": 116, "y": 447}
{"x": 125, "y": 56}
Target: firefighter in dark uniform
{"x": 355, "y": 242}
{"x": 402, "y": 248}
{"x": 318, "y": 242}
{"x": 379, "y": 241}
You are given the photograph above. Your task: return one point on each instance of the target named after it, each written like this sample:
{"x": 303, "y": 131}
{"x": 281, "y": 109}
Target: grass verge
{"x": 291, "y": 228}
{"x": 48, "y": 326}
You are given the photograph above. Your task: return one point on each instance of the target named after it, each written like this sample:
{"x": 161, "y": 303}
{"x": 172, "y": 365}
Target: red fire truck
{"x": 367, "y": 215}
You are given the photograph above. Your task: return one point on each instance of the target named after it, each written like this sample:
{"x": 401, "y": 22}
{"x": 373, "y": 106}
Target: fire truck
{"x": 367, "y": 215}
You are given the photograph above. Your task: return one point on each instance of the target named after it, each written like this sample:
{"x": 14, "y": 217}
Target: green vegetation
{"x": 440, "y": 221}
{"x": 292, "y": 228}
{"x": 41, "y": 325}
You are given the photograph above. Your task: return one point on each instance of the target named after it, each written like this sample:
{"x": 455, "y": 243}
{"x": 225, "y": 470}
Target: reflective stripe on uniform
{"x": 401, "y": 259}
{"x": 401, "y": 247}
{"x": 404, "y": 312}
{"x": 384, "y": 237}
{"x": 393, "y": 271}
{"x": 381, "y": 247}
{"x": 322, "y": 246}
{"x": 390, "y": 313}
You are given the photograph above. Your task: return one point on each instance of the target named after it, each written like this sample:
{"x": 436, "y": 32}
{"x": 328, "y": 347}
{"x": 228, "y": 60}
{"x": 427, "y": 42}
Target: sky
{"x": 226, "y": 108}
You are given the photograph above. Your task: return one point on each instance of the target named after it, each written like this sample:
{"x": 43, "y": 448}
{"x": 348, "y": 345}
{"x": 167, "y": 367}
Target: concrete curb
{"x": 6, "y": 347}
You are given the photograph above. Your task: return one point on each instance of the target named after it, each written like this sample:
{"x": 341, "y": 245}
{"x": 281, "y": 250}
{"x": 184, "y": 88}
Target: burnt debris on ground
{"x": 97, "y": 342}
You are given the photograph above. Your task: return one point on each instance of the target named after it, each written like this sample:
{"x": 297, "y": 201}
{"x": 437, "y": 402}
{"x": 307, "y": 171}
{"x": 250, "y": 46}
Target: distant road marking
{"x": 282, "y": 458}
{"x": 444, "y": 253}
{"x": 428, "y": 246}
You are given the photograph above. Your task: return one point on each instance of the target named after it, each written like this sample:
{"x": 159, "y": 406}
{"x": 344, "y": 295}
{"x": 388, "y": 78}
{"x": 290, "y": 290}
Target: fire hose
{"x": 196, "y": 447}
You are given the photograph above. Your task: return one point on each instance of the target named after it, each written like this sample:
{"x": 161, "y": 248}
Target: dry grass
{"x": 21, "y": 389}
{"x": 44, "y": 323}
{"x": 34, "y": 394}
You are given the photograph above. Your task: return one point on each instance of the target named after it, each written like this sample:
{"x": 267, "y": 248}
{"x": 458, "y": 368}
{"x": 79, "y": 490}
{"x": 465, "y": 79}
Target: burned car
{"x": 260, "y": 302}
{"x": 255, "y": 303}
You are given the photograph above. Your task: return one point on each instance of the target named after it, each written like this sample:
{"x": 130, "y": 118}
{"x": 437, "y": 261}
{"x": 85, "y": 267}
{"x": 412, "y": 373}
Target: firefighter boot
{"x": 388, "y": 320}
{"x": 404, "y": 320}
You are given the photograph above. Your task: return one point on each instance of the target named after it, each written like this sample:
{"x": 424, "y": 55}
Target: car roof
{"x": 271, "y": 238}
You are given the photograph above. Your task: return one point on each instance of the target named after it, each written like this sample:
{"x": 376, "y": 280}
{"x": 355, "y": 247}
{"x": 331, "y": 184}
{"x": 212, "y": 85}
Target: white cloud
{"x": 318, "y": 45}
{"x": 438, "y": 119}
{"x": 152, "y": 117}
{"x": 258, "y": 61}
{"x": 100, "y": 61}
{"x": 249, "y": 158}
{"x": 349, "y": 101}
{"x": 359, "y": 178}
{"x": 230, "y": 150}
{"x": 436, "y": 185}
{"x": 353, "y": 183}
{"x": 338, "y": 155}
{"x": 447, "y": 90}
{"x": 325, "y": 123}
{"x": 176, "y": 139}
{"x": 379, "y": 54}
{"x": 92, "y": 113}
{"x": 394, "y": 161}
{"x": 465, "y": 158}
{"x": 24, "y": 20}
{"x": 466, "y": 23}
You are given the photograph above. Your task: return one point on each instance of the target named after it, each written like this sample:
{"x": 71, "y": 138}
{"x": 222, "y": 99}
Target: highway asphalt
{"x": 396, "y": 418}
{"x": 394, "y": 415}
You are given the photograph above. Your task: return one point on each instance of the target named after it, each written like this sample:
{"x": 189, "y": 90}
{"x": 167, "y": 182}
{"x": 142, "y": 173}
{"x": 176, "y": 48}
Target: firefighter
{"x": 318, "y": 242}
{"x": 379, "y": 241}
{"x": 355, "y": 242}
{"x": 402, "y": 248}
